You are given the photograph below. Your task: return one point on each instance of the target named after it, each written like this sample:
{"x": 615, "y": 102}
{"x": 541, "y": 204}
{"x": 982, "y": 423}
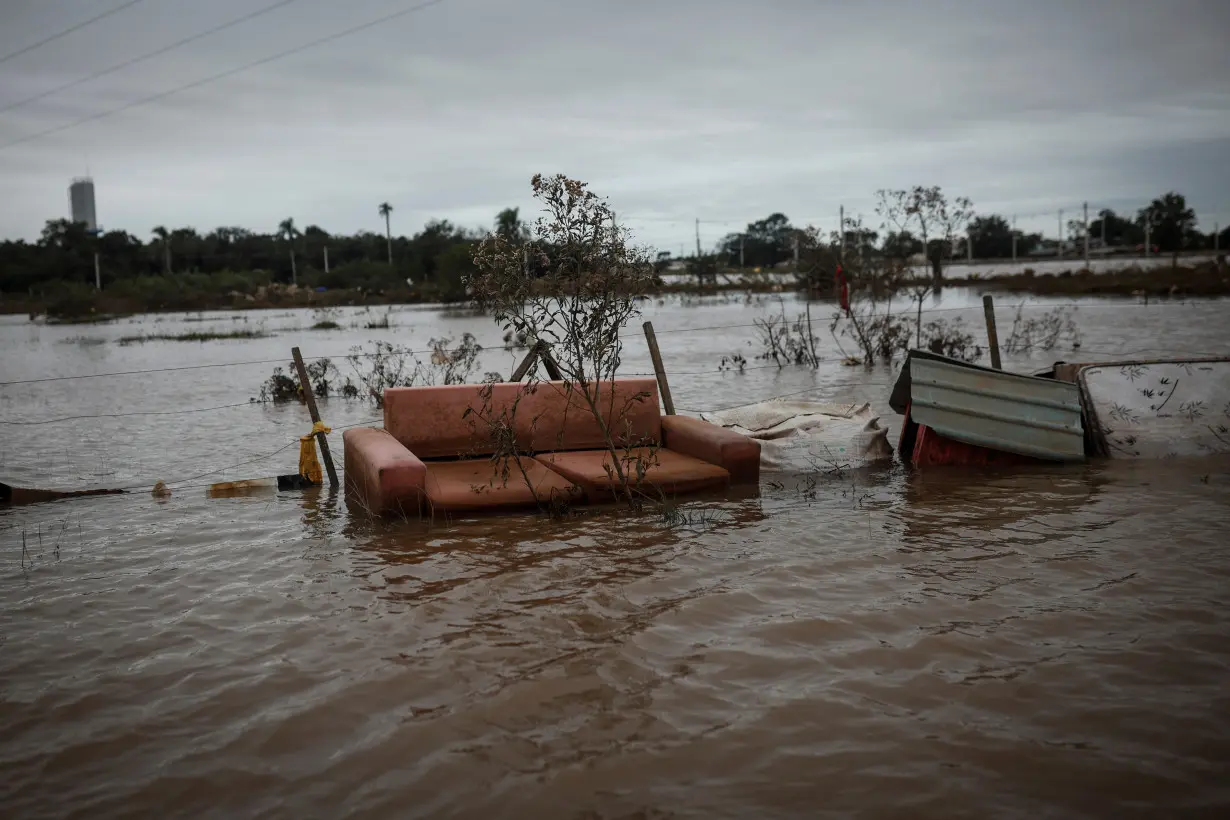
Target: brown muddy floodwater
{"x": 1044, "y": 642}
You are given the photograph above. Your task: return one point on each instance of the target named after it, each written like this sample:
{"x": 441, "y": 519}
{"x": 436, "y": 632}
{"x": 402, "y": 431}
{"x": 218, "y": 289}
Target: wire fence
{"x": 729, "y": 371}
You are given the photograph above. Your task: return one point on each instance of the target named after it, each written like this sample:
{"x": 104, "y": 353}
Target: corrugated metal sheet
{"x": 1003, "y": 411}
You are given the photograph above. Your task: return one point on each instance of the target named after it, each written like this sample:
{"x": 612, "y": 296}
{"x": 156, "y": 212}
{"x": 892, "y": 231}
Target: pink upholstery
{"x": 456, "y": 425}
{"x": 432, "y": 421}
{"x": 480, "y": 483}
{"x": 659, "y": 469}
{"x": 738, "y": 454}
{"x": 381, "y": 474}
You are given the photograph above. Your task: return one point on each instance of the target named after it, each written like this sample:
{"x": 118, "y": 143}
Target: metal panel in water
{"x": 1002, "y": 411}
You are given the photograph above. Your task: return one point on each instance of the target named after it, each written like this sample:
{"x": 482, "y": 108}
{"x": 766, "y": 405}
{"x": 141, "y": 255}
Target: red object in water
{"x": 928, "y": 448}
{"x": 932, "y": 449}
{"x": 843, "y": 288}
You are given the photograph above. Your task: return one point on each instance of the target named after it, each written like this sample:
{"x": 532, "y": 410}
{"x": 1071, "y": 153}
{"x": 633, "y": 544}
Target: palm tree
{"x": 385, "y": 210}
{"x": 288, "y": 231}
{"x": 164, "y": 237}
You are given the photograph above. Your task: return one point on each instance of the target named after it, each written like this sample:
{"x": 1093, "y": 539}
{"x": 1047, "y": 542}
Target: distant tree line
{"x": 182, "y": 262}
{"x": 435, "y": 259}
{"x": 921, "y": 219}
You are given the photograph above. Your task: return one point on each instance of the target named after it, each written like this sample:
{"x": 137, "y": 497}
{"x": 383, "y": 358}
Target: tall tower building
{"x": 81, "y": 201}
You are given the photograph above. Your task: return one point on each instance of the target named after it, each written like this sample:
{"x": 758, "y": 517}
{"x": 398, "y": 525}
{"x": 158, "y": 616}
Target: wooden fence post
{"x": 306, "y": 386}
{"x": 658, "y": 369}
{"x": 540, "y": 350}
{"x": 526, "y": 364}
{"x": 988, "y": 308}
{"x": 548, "y": 362}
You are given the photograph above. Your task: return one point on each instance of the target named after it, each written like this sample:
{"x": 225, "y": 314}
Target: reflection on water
{"x": 1045, "y": 641}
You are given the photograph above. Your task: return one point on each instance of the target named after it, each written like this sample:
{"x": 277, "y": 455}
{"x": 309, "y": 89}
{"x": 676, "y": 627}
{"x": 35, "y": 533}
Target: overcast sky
{"x": 675, "y": 109}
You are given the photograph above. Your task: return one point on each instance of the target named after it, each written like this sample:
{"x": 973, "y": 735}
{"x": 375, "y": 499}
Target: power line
{"x": 178, "y": 483}
{"x": 118, "y": 66}
{"x": 19, "y": 422}
{"x": 223, "y": 74}
{"x": 67, "y": 31}
{"x": 395, "y": 351}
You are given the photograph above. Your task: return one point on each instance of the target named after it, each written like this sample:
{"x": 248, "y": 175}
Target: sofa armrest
{"x": 736, "y": 453}
{"x": 381, "y": 474}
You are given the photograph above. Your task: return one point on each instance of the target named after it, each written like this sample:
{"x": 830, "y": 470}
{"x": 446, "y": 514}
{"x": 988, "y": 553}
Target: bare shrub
{"x": 374, "y": 370}
{"x": 573, "y": 285}
{"x": 1044, "y": 332}
{"x": 452, "y": 365}
{"x": 927, "y": 210}
{"x": 872, "y": 280}
{"x": 948, "y": 338}
{"x": 787, "y": 342}
{"x": 385, "y": 365}
{"x": 280, "y": 387}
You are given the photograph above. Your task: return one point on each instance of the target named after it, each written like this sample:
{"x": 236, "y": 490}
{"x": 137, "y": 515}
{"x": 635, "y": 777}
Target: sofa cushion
{"x": 432, "y": 422}
{"x": 666, "y": 470}
{"x": 480, "y": 483}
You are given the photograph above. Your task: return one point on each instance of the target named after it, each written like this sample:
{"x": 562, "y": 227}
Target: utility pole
{"x": 1148, "y": 231}
{"x": 862, "y": 244}
{"x": 796, "y": 253}
{"x": 326, "y": 258}
{"x": 969, "y": 245}
{"x": 1060, "y": 233}
{"x": 841, "y": 231}
{"x": 294, "y": 273}
{"x": 1014, "y": 237}
{"x": 697, "y": 239}
{"x": 1086, "y": 209}
{"x": 1103, "y": 218}
{"x": 97, "y": 273}
{"x": 741, "y": 249}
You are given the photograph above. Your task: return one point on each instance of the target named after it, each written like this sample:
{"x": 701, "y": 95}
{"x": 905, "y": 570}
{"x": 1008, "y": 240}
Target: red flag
{"x": 843, "y": 289}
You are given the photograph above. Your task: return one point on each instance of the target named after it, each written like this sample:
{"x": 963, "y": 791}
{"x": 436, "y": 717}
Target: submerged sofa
{"x": 434, "y": 454}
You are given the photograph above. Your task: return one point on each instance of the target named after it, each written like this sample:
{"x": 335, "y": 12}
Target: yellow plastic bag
{"x": 309, "y": 465}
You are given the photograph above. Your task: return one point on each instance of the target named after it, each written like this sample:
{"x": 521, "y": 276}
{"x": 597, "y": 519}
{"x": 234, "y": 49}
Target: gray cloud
{"x": 718, "y": 109}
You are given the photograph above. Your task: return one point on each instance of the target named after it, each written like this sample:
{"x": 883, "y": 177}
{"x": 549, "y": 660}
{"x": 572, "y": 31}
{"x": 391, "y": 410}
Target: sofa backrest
{"x": 432, "y": 422}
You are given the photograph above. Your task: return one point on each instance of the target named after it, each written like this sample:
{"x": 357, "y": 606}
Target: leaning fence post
{"x": 988, "y": 308}
{"x": 658, "y": 369}
{"x": 526, "y": 364}
{"x": 306, "y": 387}
{"x": 553, "y": 371}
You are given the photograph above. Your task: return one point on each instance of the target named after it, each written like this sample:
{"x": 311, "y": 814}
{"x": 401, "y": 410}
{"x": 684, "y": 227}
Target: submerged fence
{"x": 662, "y": 371}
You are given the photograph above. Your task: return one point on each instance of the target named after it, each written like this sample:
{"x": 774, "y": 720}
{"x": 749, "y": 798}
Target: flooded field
{"x": 1041, "y": 265}
{"x": 1042, "y": 642}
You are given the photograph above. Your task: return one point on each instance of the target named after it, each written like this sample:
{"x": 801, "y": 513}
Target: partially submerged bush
{"x": 280, "y": 387}
{"x": 787, "y": 342}
{"x": 950, "y": 339}
{"x": 387, "y": 365}
{"x": 326, "y": 319}
{"x": 373, "y": 371}
{"x": 573, "y": 284}
{"x": 1043, "y": 332}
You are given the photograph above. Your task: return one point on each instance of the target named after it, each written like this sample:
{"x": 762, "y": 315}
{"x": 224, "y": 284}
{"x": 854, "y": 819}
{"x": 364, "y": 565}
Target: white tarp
{"x": 805, "y": 436}
{"x": 1161, "y": 409}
